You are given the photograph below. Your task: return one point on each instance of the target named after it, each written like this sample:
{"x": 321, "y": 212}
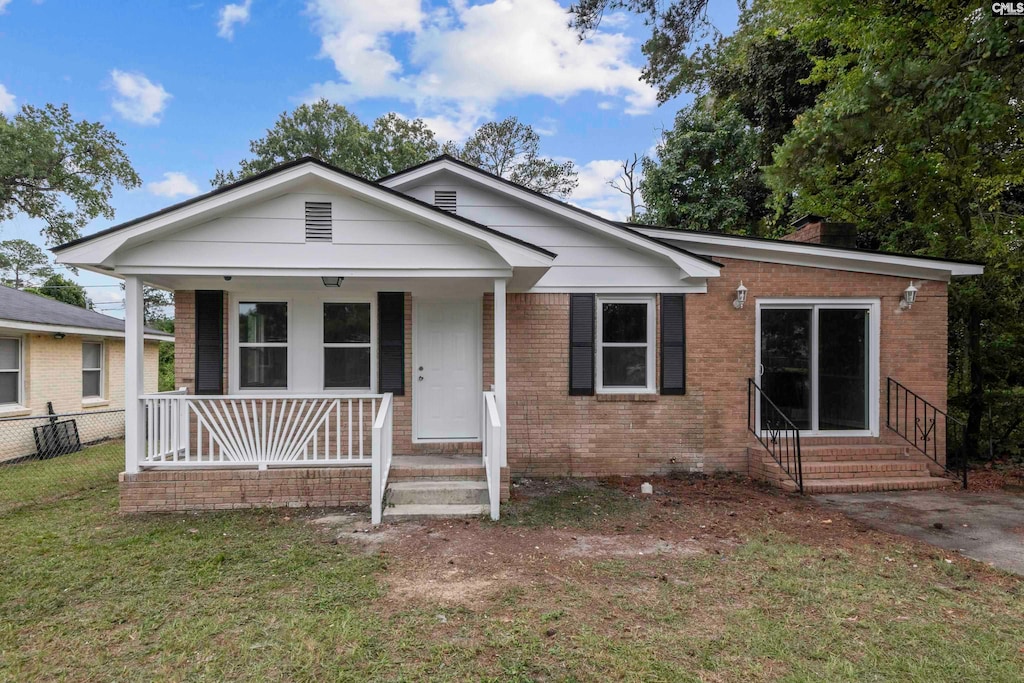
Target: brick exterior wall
{"x": 551, "y": 433}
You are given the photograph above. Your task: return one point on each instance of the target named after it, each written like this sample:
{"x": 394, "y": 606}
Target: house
{"x": 414, "y": 341}
{"x": 52, "y": 353}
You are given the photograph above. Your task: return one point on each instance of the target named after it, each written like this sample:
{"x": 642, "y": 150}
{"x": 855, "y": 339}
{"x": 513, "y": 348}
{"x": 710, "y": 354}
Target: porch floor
{"x": 435, "y": 460}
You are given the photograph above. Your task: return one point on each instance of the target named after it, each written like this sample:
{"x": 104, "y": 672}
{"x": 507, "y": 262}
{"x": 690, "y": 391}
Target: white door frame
{"x": 477, "y": 362}
{"x": 874, "y": 354}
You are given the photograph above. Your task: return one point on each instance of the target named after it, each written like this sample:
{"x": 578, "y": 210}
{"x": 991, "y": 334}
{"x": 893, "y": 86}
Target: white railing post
{"x": 134, "y": 380}
{"x": 380, "y": 457}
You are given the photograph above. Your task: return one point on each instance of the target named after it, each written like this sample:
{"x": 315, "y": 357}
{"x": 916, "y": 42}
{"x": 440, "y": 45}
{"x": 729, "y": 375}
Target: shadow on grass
{"x": 32, "y": 482}
{"x": 578, "y": 503}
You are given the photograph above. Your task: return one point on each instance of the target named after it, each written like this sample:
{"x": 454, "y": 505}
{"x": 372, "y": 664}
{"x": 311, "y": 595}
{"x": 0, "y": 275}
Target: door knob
{"x": 420, "y": 378}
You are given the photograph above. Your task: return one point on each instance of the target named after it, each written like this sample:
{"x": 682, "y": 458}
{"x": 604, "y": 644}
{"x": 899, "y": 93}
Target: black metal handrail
{"x": 777, "y": 433}
{"x": 920, "y": 424}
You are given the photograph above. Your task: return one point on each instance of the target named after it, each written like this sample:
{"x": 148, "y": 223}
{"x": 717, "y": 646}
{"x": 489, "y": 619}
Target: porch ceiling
{"x": 436, "y": 287}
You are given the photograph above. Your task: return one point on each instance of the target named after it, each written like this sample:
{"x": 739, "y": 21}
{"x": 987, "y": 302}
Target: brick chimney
{"x": 812, "y": 229}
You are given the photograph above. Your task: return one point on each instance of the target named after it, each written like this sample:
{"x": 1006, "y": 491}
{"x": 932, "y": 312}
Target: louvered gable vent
{"x": 318, "y": 221}
{"x": 445, "y": 200}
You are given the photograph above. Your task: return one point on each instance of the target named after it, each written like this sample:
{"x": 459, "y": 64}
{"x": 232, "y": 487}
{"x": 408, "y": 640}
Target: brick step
{"x": 853, "y": 452}
{"x": 853, "y": 469}
{"x": 437, "y": 467}
{"x": 814, "y": 486}
{"x": 434, "y": 492}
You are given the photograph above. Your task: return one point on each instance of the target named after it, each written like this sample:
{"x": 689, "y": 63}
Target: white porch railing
{"x": 259, "y": 430}
{"x": 382, "y": 451}
{"x": 492, "y": 443}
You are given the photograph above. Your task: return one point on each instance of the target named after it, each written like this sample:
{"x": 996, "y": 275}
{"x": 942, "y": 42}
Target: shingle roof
{"x": 31, "y": 308}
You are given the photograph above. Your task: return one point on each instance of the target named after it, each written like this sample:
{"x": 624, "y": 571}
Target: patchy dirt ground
{"x": 558, "y": 530}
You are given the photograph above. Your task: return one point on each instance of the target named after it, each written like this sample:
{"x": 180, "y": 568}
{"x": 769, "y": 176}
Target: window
{"x": 10, "y": 370}
{"x": 625, "y": 345}
{"x": 348, "y": 346}
{"x": 263, "y": 345}
{"x": 817, "y": 364}
{"x": 92, "y": 369}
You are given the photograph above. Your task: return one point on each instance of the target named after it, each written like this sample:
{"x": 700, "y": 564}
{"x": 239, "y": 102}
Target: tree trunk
{"x": 976, "y": 390}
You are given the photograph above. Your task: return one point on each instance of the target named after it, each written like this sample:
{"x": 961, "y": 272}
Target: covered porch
{"x": 325, "y": 372}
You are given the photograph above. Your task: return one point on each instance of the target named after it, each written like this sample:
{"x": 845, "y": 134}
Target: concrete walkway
{"x": 988, "y": 527}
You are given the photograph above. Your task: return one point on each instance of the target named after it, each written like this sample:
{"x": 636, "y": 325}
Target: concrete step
{"x": 400, "y": 512}
{"x": 438, "y": 492}
{"x": 813, "y": 486}
{"x": 853, "y": 469}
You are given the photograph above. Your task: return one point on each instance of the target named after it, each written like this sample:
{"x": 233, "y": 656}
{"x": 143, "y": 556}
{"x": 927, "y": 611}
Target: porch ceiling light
{"x": 741, "y": 296}
{"x": 909, "y": 297}
{"x": 332, "y": 281}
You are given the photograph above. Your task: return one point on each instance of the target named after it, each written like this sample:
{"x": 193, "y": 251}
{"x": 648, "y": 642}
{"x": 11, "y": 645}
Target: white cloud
{"x": 463, "y": 60}
{"x": 174, "y": 184}
{"x": 595, "y": 194}
{"x": 138, "y": 99}
{"x": 7, "y": 105}
{"x": 230, "y": 15}
{"x": 3, "y": 5}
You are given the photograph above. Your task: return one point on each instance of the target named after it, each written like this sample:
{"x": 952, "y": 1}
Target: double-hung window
{"x": 92, "y": 369}
{"x": 625, "y": 344}
{"x": 10, "y": 371}
{"x": 348, "y": 346}
{"x": 263, "y": 344}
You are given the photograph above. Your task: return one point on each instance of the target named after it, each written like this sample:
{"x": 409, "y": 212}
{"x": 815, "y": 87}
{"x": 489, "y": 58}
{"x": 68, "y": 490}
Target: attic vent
{"x": 318, "y": 221}
{"x": 445, "y": 200}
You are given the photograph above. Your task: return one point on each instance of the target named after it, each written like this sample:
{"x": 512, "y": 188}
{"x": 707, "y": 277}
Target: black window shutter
{"x": 391, "y": 342}
{"x": 581, "y": 344}
{"x": 673, "y": 344}
{"x": 209, "y": 342}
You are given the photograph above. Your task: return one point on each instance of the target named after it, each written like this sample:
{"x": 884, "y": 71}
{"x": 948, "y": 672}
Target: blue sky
{"x": 186, "y": 85}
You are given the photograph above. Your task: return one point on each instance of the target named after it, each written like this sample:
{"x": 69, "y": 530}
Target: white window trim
{"x": 102, "y": 370}
{"x": 234, "y": 360}
{"x": 599, "y": 344}
{"x": 20, "y": 400}
{"x": 372, "y": 344}
{"x": 874, "y": 308}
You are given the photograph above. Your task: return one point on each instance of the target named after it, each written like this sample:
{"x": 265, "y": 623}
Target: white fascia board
{"x": 317, "y": 272}
{"x": 803, "y": 254}
{"x": 98, "y": 251}
{"x": 590, "y": 289}
{"x": 81, "y": 331}
{"x": 691, "y": 267}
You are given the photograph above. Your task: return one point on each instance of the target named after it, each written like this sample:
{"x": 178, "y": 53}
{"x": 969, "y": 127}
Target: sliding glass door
{"x": 815, "y": 364}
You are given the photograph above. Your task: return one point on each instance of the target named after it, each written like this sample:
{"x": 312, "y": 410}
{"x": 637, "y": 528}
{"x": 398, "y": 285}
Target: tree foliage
{"x": 511, "y": 149}
{"x": 333, "y": 134}
{"x": 59, "y": 170}
{"x": 23, "y": 264}
{"x": 706, "y": 175}
{"x": 63, "y": 289}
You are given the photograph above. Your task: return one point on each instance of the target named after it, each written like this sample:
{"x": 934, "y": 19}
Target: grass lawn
{"x": 710, "y": 580}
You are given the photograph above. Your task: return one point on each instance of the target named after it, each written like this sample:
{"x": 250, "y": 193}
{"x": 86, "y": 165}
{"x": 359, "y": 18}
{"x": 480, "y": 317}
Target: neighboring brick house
{"x": 421, "y": 338}
{"x": 70, "y": 358}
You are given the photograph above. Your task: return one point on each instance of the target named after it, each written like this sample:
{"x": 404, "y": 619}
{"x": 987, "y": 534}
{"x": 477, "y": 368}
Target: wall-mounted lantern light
{"x": 58, "y": 335}
{"x": 332, "y": 281}
{"x": 741, "y": 296}
{"x": 909, "y": 297}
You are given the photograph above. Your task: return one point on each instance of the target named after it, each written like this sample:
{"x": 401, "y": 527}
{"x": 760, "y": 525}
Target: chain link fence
{"x": 46, "y": 457}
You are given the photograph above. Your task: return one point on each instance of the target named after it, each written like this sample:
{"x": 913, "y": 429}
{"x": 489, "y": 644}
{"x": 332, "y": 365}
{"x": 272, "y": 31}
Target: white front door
{"x": 447, "y": 385}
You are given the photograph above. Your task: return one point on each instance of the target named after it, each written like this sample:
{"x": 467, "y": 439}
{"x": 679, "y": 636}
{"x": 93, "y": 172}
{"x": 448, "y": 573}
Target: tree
{"x": 511, "y": 149}
{"x": 706, "y": 175}
{"x": 63, "y": 289}
{"x": 917, "y": 136}
{"x": 333, "y": 134}
{"x": 23, "y": 264}
{"x": 59, "y": 170}
{"x": 628, "y": 183}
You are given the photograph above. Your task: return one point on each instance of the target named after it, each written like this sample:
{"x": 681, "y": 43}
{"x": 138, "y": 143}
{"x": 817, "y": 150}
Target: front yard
{"x": 708, "y": 580}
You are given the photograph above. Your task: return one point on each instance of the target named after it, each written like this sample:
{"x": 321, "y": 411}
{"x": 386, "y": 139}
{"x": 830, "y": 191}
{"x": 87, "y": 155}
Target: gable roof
{"x": 25, "y": 307}
{"x": 615, "y": 228}
{"x": 226, "y": 189}
{"x": 813, "y": 254}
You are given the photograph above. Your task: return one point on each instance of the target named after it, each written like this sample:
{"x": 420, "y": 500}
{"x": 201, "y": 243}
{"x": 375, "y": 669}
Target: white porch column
{"x": 134, "y": 387}
{"x": 499, "y": 364}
